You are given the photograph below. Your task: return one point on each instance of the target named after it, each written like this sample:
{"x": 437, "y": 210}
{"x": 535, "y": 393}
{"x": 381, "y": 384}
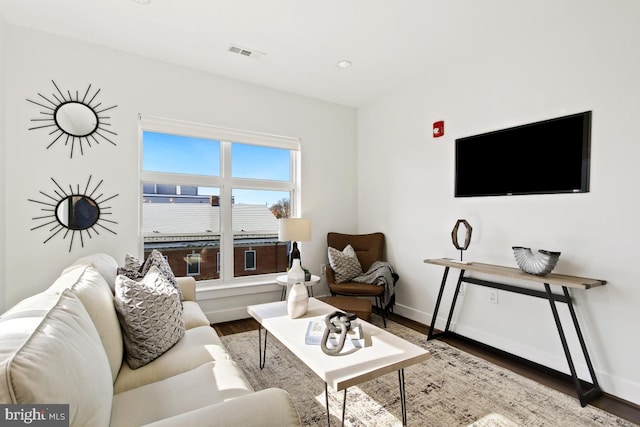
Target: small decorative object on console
{"x": 467, "y": 237}
{"x": 540, "y": 263}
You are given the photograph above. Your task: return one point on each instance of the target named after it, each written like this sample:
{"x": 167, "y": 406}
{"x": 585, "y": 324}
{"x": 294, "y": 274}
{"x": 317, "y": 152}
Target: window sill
{"x": 212, "y": 289}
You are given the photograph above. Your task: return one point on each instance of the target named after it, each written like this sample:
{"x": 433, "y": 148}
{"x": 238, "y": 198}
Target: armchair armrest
{"x": 271, "y": 407}
{"x": 188, "y": 287}
{"x": 331, "y": 278}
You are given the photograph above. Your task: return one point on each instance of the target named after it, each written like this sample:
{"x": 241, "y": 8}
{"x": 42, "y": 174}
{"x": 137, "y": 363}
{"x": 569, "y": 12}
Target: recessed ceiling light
{"x": 344, "y": 64}
{"x": 142, "y": 1}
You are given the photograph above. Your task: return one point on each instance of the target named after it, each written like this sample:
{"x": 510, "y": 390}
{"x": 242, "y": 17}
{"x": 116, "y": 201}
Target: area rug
{"x": 452, "y": 388}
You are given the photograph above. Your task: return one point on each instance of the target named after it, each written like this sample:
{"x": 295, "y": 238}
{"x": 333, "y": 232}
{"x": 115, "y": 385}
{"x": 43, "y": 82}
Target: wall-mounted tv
{"x": 546, "y": 157}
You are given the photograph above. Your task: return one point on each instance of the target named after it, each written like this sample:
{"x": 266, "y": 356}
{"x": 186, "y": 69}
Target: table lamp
{"x": 294, "y": 230}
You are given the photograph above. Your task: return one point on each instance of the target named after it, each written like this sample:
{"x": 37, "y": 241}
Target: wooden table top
{"x": 516, "y": 273}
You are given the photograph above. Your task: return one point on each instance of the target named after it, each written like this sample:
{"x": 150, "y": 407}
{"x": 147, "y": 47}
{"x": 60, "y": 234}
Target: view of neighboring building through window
{"x": 211, "y": 198}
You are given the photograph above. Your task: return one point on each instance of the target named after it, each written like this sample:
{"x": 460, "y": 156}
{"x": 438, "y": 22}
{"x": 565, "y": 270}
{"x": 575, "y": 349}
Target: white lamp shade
{"x": 294, "y": 229}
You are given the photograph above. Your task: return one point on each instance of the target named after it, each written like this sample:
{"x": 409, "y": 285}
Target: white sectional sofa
{"x": 65, "y": 345}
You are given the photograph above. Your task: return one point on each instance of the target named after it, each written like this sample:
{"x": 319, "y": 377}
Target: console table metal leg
{"x": 403, "y": 399}
{"x": 438, "y": 300}
{"x": 262, "y": 350}
{"x": 584, "y": 397}
{"x": 431, "y": 335}
{"x": 455, "y": 299}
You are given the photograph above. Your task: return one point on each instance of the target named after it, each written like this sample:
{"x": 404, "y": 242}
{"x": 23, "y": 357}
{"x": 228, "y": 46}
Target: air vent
{"x": 245, "y": 52}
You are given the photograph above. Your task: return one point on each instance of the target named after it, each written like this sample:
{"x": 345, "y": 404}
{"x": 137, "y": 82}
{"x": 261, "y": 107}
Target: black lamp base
{"x": 295, "y": 253}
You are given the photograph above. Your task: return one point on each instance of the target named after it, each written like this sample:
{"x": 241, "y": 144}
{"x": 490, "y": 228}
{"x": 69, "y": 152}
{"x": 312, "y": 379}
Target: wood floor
{"x": 550, "y": 378}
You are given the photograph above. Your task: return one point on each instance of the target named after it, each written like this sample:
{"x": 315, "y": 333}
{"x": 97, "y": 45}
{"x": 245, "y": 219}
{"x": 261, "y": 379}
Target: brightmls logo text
{"x": 55, "y": 415}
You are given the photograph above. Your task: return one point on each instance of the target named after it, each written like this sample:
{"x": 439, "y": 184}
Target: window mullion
{"x": 225, "y": 217}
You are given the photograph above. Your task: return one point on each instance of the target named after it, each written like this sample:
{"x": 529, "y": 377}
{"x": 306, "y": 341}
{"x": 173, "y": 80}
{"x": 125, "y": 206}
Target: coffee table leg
{"x": 344, "y": 404}
{"x": 262, "y": 350}
{"x": 326, "y": 400}
{"x": 403, "y": 400}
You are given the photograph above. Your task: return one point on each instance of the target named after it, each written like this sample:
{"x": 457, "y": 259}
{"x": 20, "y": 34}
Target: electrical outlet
{"x": 493, "y": 296}
{"x": 323, "y": 268}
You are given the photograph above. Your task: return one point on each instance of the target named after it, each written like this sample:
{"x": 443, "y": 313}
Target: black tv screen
{"x": 551, "y": 156}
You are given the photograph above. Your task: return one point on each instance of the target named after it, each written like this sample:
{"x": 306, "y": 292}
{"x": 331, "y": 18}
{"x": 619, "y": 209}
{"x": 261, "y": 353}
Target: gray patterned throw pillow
{"x": 150, "y": 314}
{"x": 344, "y": 264}
{"x": 132, "y": 262}
{"x": 156, "y": 259}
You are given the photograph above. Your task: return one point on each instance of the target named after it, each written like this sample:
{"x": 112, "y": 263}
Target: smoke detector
{"x": 245, "y": 51}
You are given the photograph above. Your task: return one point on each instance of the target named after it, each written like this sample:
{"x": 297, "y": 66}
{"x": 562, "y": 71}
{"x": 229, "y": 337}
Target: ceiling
{"x": 389, "y": 42}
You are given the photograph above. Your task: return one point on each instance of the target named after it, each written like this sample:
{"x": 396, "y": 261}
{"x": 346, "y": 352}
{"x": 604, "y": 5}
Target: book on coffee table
{"x": 315, "y": 331}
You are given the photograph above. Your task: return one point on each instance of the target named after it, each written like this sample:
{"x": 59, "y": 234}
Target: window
{"x": 250, "y": 260}
{"x": 211, "y": 198}
{"x": 193, "y": 264}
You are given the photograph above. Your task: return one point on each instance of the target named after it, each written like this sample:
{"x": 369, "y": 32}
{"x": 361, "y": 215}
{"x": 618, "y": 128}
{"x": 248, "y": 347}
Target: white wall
{"x": 140, "y": 85}
{"x": 2, "y": 163}
{"x": 521, "y": 63}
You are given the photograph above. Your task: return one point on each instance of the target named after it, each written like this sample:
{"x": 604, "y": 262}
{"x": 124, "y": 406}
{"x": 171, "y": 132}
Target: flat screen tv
{"x": 547, "y": 157}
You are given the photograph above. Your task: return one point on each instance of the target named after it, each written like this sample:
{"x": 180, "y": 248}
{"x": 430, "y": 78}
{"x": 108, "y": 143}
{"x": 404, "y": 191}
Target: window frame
{"x": 225, "y": 182}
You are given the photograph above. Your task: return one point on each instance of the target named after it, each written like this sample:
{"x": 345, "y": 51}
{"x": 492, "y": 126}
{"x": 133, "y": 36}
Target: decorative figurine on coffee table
{"x": 467, "y": 238}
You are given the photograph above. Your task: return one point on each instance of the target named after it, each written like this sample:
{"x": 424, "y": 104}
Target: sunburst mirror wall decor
{"x": 77, "y": 120}
{"x": 74, "y": 211}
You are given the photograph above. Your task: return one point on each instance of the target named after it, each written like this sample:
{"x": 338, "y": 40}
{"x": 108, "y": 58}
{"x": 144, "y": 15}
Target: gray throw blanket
{"x": 380, "y": 274}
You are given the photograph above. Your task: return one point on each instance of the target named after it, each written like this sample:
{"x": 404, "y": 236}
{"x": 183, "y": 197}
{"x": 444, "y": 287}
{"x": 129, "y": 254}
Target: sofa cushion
{"x": 50, "y": 352}
{"x": 193, "y": 315}
{"x": 198, "y": 346}
{"x": 94, "y": 293}
{"x": 104, "y": 263}
{"x": 205, "y": 385}
{"x": 344, "y": 263}
{"x": 156, "y": 259}
{"x": 150, "y": 314}
{"x": 271, "y": 407}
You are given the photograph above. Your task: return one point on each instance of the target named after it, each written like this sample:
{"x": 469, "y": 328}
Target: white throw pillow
{"x": 50, "y": 352}
{"x": 150, "y": 314}
{"x": 344, "y": 264}
{"x": 89, "y": 286}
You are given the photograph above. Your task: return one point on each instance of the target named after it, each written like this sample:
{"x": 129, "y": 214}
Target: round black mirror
{"x": 73, "y": 119}
{"x": 77, "y": 212}
{"x": 76, "y": 119}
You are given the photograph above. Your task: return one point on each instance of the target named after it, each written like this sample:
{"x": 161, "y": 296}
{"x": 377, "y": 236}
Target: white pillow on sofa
{"x": 93, "y": 291}
{"x": 50, "y": 352}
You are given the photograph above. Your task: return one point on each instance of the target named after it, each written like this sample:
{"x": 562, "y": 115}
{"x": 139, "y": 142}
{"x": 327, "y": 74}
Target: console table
{"x": 565, "y": 281}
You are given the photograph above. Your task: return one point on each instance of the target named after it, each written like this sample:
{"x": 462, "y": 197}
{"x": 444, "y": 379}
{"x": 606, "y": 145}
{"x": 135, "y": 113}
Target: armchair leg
{"x": 382, "y": 310}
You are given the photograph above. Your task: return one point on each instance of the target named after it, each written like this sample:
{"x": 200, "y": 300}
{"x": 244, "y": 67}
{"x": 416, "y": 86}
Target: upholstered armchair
{"x": 368, "y": 248}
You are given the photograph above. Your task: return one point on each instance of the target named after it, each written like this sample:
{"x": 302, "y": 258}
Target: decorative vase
{"x": 540, "y": 263}
{"x": 296, "y": 273}
{"x": 298, "y": 300}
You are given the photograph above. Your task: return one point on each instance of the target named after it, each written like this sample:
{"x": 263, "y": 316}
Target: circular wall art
{"x": 75, "y": 120}
{"x": 74, "y": 211}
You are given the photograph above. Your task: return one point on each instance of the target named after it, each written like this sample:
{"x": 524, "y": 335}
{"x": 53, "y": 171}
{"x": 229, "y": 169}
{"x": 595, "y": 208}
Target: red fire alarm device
{"x": 438, "y": 129}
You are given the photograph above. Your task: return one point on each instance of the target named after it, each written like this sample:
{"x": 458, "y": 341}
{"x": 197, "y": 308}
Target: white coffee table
{"x": 383, "y": 352}
{"x": 285, "y": 283}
